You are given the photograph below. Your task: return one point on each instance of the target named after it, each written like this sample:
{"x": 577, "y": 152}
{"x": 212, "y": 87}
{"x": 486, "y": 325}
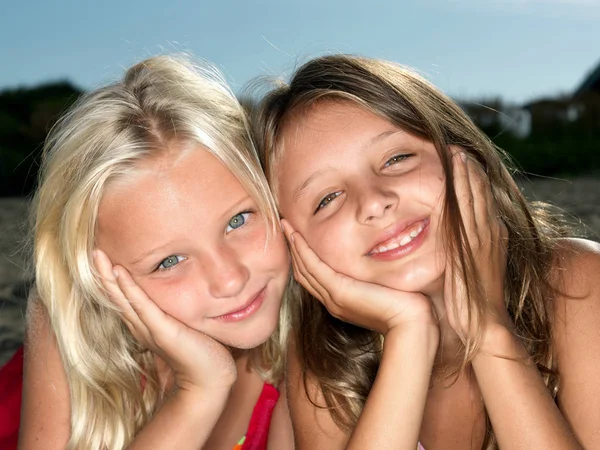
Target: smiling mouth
{"x": 402, "y": 239}
{"x": 245, "y": 311}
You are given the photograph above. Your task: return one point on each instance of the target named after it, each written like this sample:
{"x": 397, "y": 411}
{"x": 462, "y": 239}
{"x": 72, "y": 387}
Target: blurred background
{"x": 527, "y": 72}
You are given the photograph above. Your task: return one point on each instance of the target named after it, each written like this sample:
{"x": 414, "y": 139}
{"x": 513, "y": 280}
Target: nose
{"x": 225, "y": 273}
{"x": 375, "y": 203}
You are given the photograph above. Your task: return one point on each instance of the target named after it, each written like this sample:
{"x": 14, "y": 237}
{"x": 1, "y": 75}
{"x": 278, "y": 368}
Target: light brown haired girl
{"x": 452, "y": 311}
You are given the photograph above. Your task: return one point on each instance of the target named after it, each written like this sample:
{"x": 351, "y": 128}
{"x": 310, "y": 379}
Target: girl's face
{"x": 194, "y": 241}
{"x": 366, "y": 195}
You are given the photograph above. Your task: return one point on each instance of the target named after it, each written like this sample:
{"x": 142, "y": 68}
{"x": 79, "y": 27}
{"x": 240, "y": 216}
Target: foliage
{"x": 26, "y": 115}
{"x": 558, "y": 144}
{"x": 564, "y": 137}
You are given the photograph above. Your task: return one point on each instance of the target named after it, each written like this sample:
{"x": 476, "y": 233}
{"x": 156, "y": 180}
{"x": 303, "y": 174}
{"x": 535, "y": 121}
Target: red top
{"x": 258, "y": 428}
{"x": 11, "y": 387}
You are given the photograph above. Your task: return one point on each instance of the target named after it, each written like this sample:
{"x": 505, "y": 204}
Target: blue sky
{"x": 519, "y": 49}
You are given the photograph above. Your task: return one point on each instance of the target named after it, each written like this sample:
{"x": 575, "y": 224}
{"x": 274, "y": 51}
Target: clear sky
{"x": 518, "y": 49}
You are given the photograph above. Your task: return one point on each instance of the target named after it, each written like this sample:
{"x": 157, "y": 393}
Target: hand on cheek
{"x": 487, "y": 238}
{"x": 364, "y": 304}
{"x": 198, "y": 361}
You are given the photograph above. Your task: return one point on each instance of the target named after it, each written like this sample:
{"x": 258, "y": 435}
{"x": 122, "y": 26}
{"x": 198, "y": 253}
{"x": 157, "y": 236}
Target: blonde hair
{"x": 344, "y": 358}
{"x": 113, "y": 383}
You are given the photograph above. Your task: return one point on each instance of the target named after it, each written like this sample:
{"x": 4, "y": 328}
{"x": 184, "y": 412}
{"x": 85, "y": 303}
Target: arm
{"x": 184, "y": 421}
{"x": 394, "y": 408}
{"x": 45, "y": 414}
{"x": 577, "y": 340}
{"x": 45, "y": 411}
{"x": 522, "y": 411}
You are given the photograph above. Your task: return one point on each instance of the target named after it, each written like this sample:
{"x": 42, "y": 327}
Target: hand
{"x": 198, "y": 361}
{"x": 487, "y": 238}
{"x": 358, "y": 302}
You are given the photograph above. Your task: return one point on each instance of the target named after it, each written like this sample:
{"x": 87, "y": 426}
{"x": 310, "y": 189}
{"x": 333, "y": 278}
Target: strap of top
{"x": 258, "y": 428}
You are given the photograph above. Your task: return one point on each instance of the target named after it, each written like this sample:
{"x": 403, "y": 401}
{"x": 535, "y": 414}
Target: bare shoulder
{"x": 577, "y": 280}
{"x": 577, "y": 336}
{"x": 45, "y": 413}
{"x": 311, "y": 419}
{"x": 577, "y": 266}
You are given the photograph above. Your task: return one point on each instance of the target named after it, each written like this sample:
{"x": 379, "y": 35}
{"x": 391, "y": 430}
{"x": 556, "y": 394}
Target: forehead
{"x": 327, "y": 129}
{"x": 167, "y": 194}
{"x": 330, "y": 123}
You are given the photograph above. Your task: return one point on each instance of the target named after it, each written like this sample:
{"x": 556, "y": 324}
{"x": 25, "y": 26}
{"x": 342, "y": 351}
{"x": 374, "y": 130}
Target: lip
{"x": 395, "y": 231}
{"x": 246, "y": 310}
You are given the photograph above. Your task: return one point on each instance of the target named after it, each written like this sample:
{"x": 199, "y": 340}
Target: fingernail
{"x": 463, "y": 156}
{"x": 115, "y": 273}
{"x": 282, "y": 226}
{"x": 292, "y": 237}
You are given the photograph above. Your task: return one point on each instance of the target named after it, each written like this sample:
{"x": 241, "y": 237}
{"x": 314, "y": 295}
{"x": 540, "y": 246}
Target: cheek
{"x": 258, "y": 251}
{"x": 427, "y": 186}
{"x": 177, "y": 297}
{"x": 332, "y": 242}
{"x": 276, "y": 254}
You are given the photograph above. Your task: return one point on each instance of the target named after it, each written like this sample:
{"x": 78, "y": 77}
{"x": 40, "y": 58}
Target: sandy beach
{"x": 579, "y": 197}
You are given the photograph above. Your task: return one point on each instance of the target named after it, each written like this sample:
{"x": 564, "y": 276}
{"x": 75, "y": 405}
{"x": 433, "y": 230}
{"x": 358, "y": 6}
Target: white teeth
{"x": 405, "y": 240}
{"x": 393, "y": 246}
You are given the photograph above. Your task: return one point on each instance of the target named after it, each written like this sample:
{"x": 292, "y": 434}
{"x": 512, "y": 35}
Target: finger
{"x": 301, "y": 272}
{"x": 107, "y": 278}
{"x": 323, "y": 275}
{"x": 148, "y": 312}
{"x": 305, "y": 279}
{"x": 109, "y": 281}
{"x": 297, "y": 268}
{"x": 464, "y": 194}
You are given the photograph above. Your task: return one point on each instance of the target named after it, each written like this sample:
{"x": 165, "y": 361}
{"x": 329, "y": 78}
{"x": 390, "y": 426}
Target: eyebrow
{"x": 301, "y": 190}
{"x": 150, "y": 252}
{"x": 380, "y": 137}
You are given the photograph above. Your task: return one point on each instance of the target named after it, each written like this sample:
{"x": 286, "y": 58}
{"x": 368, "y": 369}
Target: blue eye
{"x": 397, "y": 159}
{"x": 238, "y": 221}
{"x": 326, "y": 200}
{"x": 170, "y": 262}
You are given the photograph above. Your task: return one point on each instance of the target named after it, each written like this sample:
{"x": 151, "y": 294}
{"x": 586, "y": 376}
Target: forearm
{"x": 522, "y": 412}
{"x": 393, "y": 412}
{"x": 184, "y": 421}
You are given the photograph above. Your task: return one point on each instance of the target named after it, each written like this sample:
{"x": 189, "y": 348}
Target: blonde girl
{"x": 159, "y": 273}
{"x": 452, "y": 312}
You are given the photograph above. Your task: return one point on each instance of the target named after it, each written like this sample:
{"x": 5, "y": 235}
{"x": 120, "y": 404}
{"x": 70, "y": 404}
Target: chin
{"x": 426, "y": 282}
{"x": 249, "y": 337}
{"x": 247, "y": 344}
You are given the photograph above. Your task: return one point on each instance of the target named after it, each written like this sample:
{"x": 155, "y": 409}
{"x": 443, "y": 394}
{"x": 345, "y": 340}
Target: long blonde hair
{"x": 344, "y": 358}
{"x": 102, "y": 139}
